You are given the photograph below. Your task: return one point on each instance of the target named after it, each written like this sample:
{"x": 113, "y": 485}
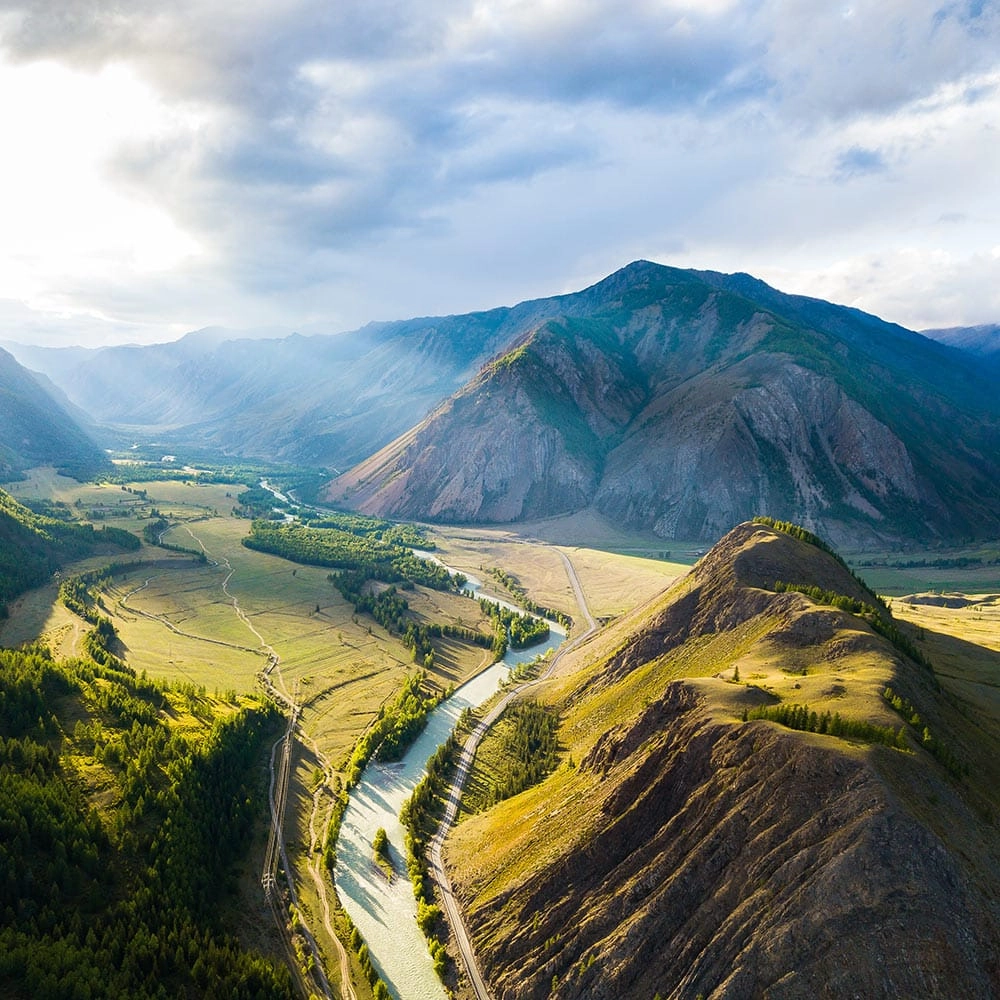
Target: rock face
{"x": 684, "y": 403}
{"x": 526, "y": 437}
{"x": 742, "y": 863}
{"x": 726, "y": 859}
{"x": 791, "y": 441}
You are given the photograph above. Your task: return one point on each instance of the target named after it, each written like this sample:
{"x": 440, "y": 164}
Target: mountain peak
{"x": 683, "y": 402}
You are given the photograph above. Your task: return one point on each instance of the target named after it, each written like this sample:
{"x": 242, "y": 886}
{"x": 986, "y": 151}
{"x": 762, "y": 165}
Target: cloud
{"x": 310, "y": 159}
{"x": 915, "y": 287}
{"x": 839, "y": 61}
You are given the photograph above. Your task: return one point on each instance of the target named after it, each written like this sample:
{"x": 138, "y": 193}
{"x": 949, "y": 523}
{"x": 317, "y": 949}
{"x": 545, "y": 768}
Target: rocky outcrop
{"x": 526, "y": 439}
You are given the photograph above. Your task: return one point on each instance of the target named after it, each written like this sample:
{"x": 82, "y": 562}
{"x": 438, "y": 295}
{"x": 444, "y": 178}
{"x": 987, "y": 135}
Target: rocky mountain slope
{"x": 684, "y": 402}
{"x": 35, "y": 429}
{"x": 680, "y": 851}
{"x": 327, "y": 400}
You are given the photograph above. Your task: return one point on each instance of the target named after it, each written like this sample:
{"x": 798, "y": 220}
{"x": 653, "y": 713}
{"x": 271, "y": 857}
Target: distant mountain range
{"x": 679, "y": 402}
{"x": 983, "y": 341}
{"x": 323, "y": 400}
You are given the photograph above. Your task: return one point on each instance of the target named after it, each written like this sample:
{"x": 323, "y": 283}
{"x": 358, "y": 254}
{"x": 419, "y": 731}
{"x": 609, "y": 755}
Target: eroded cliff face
{"x": 684, "y": 408}
{"x": 742, "y": 862}
{"x": 556, "y": 432}
{"x": 781, "y": 440}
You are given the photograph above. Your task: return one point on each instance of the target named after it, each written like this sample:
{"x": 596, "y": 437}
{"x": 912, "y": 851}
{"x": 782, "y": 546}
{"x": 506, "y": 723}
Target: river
{"x": 385, "y": 913}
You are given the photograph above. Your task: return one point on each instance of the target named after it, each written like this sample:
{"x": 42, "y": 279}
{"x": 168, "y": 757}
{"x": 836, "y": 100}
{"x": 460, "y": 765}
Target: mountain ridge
{"x": 690, "y": 852}
{"x": 983, "y": 341}
{"x": 734, "y": 410}
{"x": 36, "y": 429}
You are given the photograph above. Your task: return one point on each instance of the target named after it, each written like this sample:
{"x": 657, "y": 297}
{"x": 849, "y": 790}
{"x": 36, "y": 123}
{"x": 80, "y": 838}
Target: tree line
{"x": 153, "y": 532}
{"x": 391, "y": 610}
{"x": 342, "y": 550}
{"x": 121, "y": 898}
{"x": 937, "y": 747}
{"x": 833, "y": 724}
{"x": 420, "y": 816}
{"x": 879, "y": 617}
{"x": 390, "y": 532}
{"x": 520, "y": 595}
{"x": 529, "y": 749}
{"x": 804, "y": 535}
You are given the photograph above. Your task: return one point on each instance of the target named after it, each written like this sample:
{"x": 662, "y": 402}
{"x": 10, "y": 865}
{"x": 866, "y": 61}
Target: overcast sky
{"x": 316, "y": 164}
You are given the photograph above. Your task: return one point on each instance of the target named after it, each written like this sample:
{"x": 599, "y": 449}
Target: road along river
{"x": 385, "y": 913}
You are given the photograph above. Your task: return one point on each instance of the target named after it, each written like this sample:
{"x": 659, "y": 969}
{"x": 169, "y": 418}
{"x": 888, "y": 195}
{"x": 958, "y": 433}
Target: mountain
{"x": 36, "y": 430}
{"x": 327, "y": 400}
{"x": 983, "y": 341}
{"x": 687, "y": 845}
{"x": 683, "y": 402}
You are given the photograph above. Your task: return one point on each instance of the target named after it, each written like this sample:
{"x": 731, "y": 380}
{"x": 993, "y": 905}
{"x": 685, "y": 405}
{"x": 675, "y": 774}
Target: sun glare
{"x": 65, "y": 216}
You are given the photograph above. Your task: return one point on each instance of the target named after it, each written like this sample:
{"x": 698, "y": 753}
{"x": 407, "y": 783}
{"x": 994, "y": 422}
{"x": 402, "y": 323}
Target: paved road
{"x": 438, "y": 872}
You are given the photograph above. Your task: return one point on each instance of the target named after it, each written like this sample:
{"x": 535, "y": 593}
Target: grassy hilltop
{"x": 692, "y": 842}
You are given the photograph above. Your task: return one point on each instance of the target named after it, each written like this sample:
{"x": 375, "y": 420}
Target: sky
{"x": 314, "y": 165}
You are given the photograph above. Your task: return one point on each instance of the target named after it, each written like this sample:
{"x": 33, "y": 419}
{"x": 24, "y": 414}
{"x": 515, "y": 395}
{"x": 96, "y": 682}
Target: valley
{"x": 668, "y": 402}
{"x": 775, "y": 758}
{"x": 212, "y": 625}
{"x": 500, "y": 501}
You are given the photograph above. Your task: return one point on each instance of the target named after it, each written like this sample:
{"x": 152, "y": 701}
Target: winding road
{"x": 438, "y": 873}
